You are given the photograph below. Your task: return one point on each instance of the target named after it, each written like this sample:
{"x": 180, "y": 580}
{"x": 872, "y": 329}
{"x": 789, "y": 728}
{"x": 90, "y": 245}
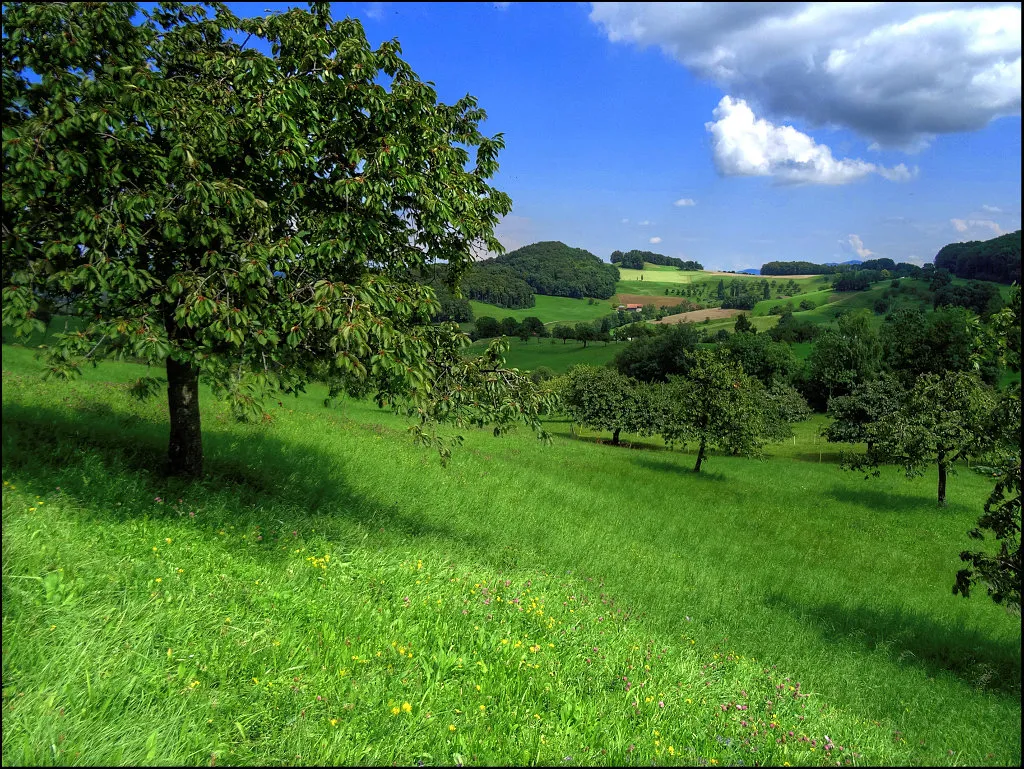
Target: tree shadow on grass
{"x": 87, "y": 450}
{"x": 914, "y": 640}
{"x": 685, "y": 467}
{"x": 887, "y": 501}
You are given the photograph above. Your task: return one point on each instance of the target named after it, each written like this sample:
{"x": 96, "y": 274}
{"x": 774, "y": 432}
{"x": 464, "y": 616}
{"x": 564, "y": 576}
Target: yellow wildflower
{"x": 334, "y": 722}
{"x": 451, "y": 727}
{"x": 407, "y": 707}
{"x": 395, "y": 711}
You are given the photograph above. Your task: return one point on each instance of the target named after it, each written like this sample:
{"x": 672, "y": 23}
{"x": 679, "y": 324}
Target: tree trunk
{"x": 942, "y": 479}
{"x": 185, "y": 449}
{"x": 615, "y": 436}
{"x": 700, "y": 455}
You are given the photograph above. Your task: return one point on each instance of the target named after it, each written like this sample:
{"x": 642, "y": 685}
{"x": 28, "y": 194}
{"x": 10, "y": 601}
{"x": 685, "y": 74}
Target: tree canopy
{"x": 635, "y": 260}
{"x": 997, "y": 259}
{"x": 254, "y": 219}
{"x": 550, "y": 268}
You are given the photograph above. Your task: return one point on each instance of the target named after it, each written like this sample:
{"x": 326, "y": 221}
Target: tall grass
{"x": 330, "y": 594}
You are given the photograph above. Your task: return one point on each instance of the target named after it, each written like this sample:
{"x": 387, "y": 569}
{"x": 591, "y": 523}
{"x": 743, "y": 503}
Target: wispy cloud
{"x": 964, "y": 225}
{"x": 654, "y": 241}
{"x": 991, "y": 209}
{"x": 858, "y": 247}
{"x": 684, "y": 202}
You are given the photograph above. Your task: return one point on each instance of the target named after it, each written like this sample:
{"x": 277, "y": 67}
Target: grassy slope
{"x": 550, "y": 309}
{"x": 557, "y": 356}
{"x": 135, "y": 632}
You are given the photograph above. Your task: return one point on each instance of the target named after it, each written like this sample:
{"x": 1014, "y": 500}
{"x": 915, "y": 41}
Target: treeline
{"x": 550, "y": 268}
{"x": 901, "y": 269}
{"x": 616, "y": 325}
{"x": 634, "y": 260}
{"x": 997, "y": 259}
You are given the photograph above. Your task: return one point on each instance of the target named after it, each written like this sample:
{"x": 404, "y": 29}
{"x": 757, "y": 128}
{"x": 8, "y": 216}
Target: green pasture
{"x": 556, "y": 355}
{"x": 329, "y": 594}
{"x": 550, "y": 309}
{"x": 659, "y": 274}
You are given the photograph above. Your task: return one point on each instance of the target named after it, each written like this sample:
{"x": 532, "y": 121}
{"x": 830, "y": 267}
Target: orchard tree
{"x": 604, "y": 399}
{"x": 844, "y": 357}
{"x": 716, "y": 405}
{"x": 872, "y": 402}
{"x": 252, "y": 219}
{"x": 942, "y": 419}
{"x": 534, "y": 326}
{"x": 743, "y": 325}
{"x": 999, "y": 571}
{"x": 585, "y": 332}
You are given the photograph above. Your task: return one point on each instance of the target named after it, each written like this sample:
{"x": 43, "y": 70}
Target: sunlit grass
{"x": 572, "y": 604}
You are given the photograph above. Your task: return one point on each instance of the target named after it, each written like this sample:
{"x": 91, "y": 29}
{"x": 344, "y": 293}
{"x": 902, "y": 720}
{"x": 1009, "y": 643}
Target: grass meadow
{"x": 557, "y": 355}
{"x": 550, "y": 309}
{"x": 329, "y": 594}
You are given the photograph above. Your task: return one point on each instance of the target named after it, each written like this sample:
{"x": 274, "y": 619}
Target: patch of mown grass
{"x": 326, "y": 573}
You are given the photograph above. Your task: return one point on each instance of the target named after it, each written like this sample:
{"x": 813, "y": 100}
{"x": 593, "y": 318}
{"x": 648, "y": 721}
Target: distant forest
{"x": 634, "y": 260}
{"x": 997, "y": 259}
{"x": 550, "y": 268}
{"x": 901, "y": 270}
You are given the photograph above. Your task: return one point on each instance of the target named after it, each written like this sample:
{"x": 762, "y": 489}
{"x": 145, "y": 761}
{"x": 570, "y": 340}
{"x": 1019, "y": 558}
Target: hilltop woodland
{"x": 635, "y": 260}
{"x": 997, "y": 259}
{"x": 549, "y": 268}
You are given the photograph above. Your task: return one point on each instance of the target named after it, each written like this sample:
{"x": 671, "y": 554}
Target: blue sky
{"x": 733, "y": 134}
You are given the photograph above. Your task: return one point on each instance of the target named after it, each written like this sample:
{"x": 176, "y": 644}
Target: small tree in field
{"x": 562, "y": 331}
{"x": 585, "y": 332}
{"x": 604, "y": 399}
{"x": 717, "y": 405}
{"x": 941, "y": 420}
{"x": 255, "y": 220}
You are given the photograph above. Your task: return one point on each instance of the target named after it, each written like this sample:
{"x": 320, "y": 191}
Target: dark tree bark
{"x": 942, "y": 479}
{"x": 185, "y": 449}
{"x": 700, "y": 455}
{"x": 615, "y": 436}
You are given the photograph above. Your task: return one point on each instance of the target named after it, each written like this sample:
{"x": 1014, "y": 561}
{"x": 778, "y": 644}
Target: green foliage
{"x": 942, "y": 419}
{"x": 997, "y": 259}
{"x": 604, "y": 399}
{"x": 792, "y": 329}
{"x": 980, "y": 298}
{"x": 257, "y": 220}
{"x": 497, "y": 285}
{"x": 915, "y": 343}
{"x": 554, "y": 269}
{"x": 743, "y": 325}
{"x": 656, "y": 358}
{"x": 635, "y": 260}
{"x": 798, "y": 268}
{"x": 1000, "y": 571}
{"x": 844, "y": 357}
{"x": 716, "y": 405}
{"x": 762, "y": 357}
{"x": 486, "y": 327}
{"x": 872, "y": 402}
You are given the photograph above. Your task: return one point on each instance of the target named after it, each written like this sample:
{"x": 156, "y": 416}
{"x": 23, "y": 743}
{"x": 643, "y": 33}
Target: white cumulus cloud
{"x": 745, "y": 145}
{"x": 654, "y": 240}
{"x": 683, "y": 202}
{"x": 897, "y": 73}
{"x": 991, "y": 209}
